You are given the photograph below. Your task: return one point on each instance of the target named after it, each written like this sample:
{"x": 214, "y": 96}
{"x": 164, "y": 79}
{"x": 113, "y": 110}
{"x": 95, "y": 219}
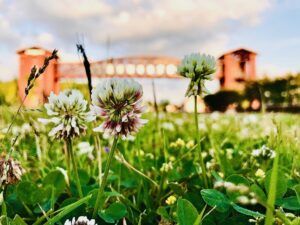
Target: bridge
{"x": 129, "y": 67}
{"x": 235, "y": 68}
{"x": 134, "y": 66}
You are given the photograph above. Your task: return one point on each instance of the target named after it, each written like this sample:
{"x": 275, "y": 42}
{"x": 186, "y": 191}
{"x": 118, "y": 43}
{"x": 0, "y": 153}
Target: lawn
{"x": 155, "y": 177}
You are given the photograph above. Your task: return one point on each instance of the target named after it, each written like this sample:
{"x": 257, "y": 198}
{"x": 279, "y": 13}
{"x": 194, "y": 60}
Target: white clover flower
{"x": 10, "y": 172}
{"x": 260, "y": 173}
{"x": 229, "y": 153}
{"x": 250, "y": 119}
{"x": 244, "y": 200}
{"x": 219, "y": 184}
{"x": 243, "y": 188}
{"x": 179, "y": 122}
{"x": 256, "y": 152}
{"x": 197, "y": 67}
{"x": 68, "y": 113}
{"x": 16, "y": 131}
{"x": 26, "y": 128}
{"x": 215, "y": 126}
{"x": 264, "y": 153}
{"x": 168, "y": 126}
{"x": 86, "y": 149}
{"x": 190, "y": 144}
{"x": 215, "y": 115}
{"x": 230, "y": 186}
{"x": 119, "y": 102}
{"x": 82, "y": 220}
{"x": 166, "y": 167}
{"x": 253, "y": 201}
{"x": 179, "y": 143}
{"x": 202, "y": 126}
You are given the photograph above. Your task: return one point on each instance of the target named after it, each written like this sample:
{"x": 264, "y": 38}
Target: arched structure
{"x": 135, "y": 67}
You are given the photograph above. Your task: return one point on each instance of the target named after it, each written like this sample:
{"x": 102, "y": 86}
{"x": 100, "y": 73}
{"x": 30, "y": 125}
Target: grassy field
{"x": 156, "y": 177}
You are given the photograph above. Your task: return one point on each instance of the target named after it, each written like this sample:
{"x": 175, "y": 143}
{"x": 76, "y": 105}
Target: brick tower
{"x": 46, "y": 83}
{"x": 236, "y": 67}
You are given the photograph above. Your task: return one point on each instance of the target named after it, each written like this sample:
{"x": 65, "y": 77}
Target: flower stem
{"x": 199, "y": 143}
{"x": 104, "y": 179}
{"x": 71, "y": 154}
{"x": 67, "y": 157}
{"x": 99, "y": 158}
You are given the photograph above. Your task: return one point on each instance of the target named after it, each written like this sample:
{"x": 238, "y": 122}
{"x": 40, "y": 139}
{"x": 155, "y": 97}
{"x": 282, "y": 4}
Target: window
{"x": 160, "y": 69}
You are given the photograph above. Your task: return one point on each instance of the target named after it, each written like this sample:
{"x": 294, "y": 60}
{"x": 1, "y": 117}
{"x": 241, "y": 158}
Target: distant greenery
{"x": 222, "y": 99}
{"x": 79, "y": 86}
{"x": 8, "y": 92}
{"x": 281, "y": 92}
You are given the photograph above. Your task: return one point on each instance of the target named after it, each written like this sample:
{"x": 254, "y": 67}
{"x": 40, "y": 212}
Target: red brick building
{"x": 236, "y": 67}
{"x": 45, "y": 84}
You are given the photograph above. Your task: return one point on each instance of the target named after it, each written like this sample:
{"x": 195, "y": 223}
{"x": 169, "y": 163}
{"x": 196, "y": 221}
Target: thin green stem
{"x": 121, "y": 159}
{"x": 67, "y": 209}
{"x": 71, "y": 154}
{"x": 99, "y": 157}
{"x": 199, "y": 143}
{"x": 104, "y": 179}
{"x": 272, "y": 192}
{"x": 67, "y": 158}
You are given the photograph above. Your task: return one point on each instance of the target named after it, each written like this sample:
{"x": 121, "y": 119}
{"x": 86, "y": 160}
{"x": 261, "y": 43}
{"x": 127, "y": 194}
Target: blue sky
{"x": 276, "y": 38}
{"x": 151, "y": 27}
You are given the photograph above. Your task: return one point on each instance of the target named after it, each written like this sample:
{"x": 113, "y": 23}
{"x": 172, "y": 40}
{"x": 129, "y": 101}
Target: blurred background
{"x": 256, "y": 43}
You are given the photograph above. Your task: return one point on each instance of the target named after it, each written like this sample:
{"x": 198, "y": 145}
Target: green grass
{"x": 137, "y": 190}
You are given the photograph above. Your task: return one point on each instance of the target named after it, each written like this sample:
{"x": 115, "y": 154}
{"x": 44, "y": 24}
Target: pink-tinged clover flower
{"x": 68, "y": 113}
{"x": 82, "y": 220}
{"x": 10, "y": 172}
{"x": 119, "y": 102}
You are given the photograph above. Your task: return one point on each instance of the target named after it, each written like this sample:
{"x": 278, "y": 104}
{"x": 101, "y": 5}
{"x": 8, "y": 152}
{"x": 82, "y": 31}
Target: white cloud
{"x": 45, "y": 39}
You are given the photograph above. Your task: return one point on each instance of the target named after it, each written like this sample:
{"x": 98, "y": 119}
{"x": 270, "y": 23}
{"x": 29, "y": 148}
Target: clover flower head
{"x": 198, "y": 68}
{"x": 119, "y": 102}
{"x": 190, "y": 144}
{"x": 179, "y": 143}
{"x": 166, "y": 167}
{"x": 260, "y": 173}
{"x": 82, "y": 220}
{"x": 264, "y": 153}
{"x": 171, "y": 200}
{"x": 86, "y": 149}
{"x": 68, "y": 113}
{"x": 168, "y": 126}
{"x": 244, "y": 200}
{"x": 10, "y": 172}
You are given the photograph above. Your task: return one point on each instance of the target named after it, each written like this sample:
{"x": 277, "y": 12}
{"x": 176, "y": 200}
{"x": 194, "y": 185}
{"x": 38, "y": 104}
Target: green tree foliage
{"x": 221, "y": 100}
{"x": 280, "y": 92}
{"x": 8, "y": 93}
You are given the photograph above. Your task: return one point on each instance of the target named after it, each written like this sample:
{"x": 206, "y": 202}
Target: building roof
{"x": 238, "y": 50}
{"x": 33, "y": 48}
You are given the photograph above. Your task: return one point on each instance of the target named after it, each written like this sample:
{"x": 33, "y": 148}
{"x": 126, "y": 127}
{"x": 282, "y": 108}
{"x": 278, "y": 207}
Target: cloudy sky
{"x": 164, "y": 27}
